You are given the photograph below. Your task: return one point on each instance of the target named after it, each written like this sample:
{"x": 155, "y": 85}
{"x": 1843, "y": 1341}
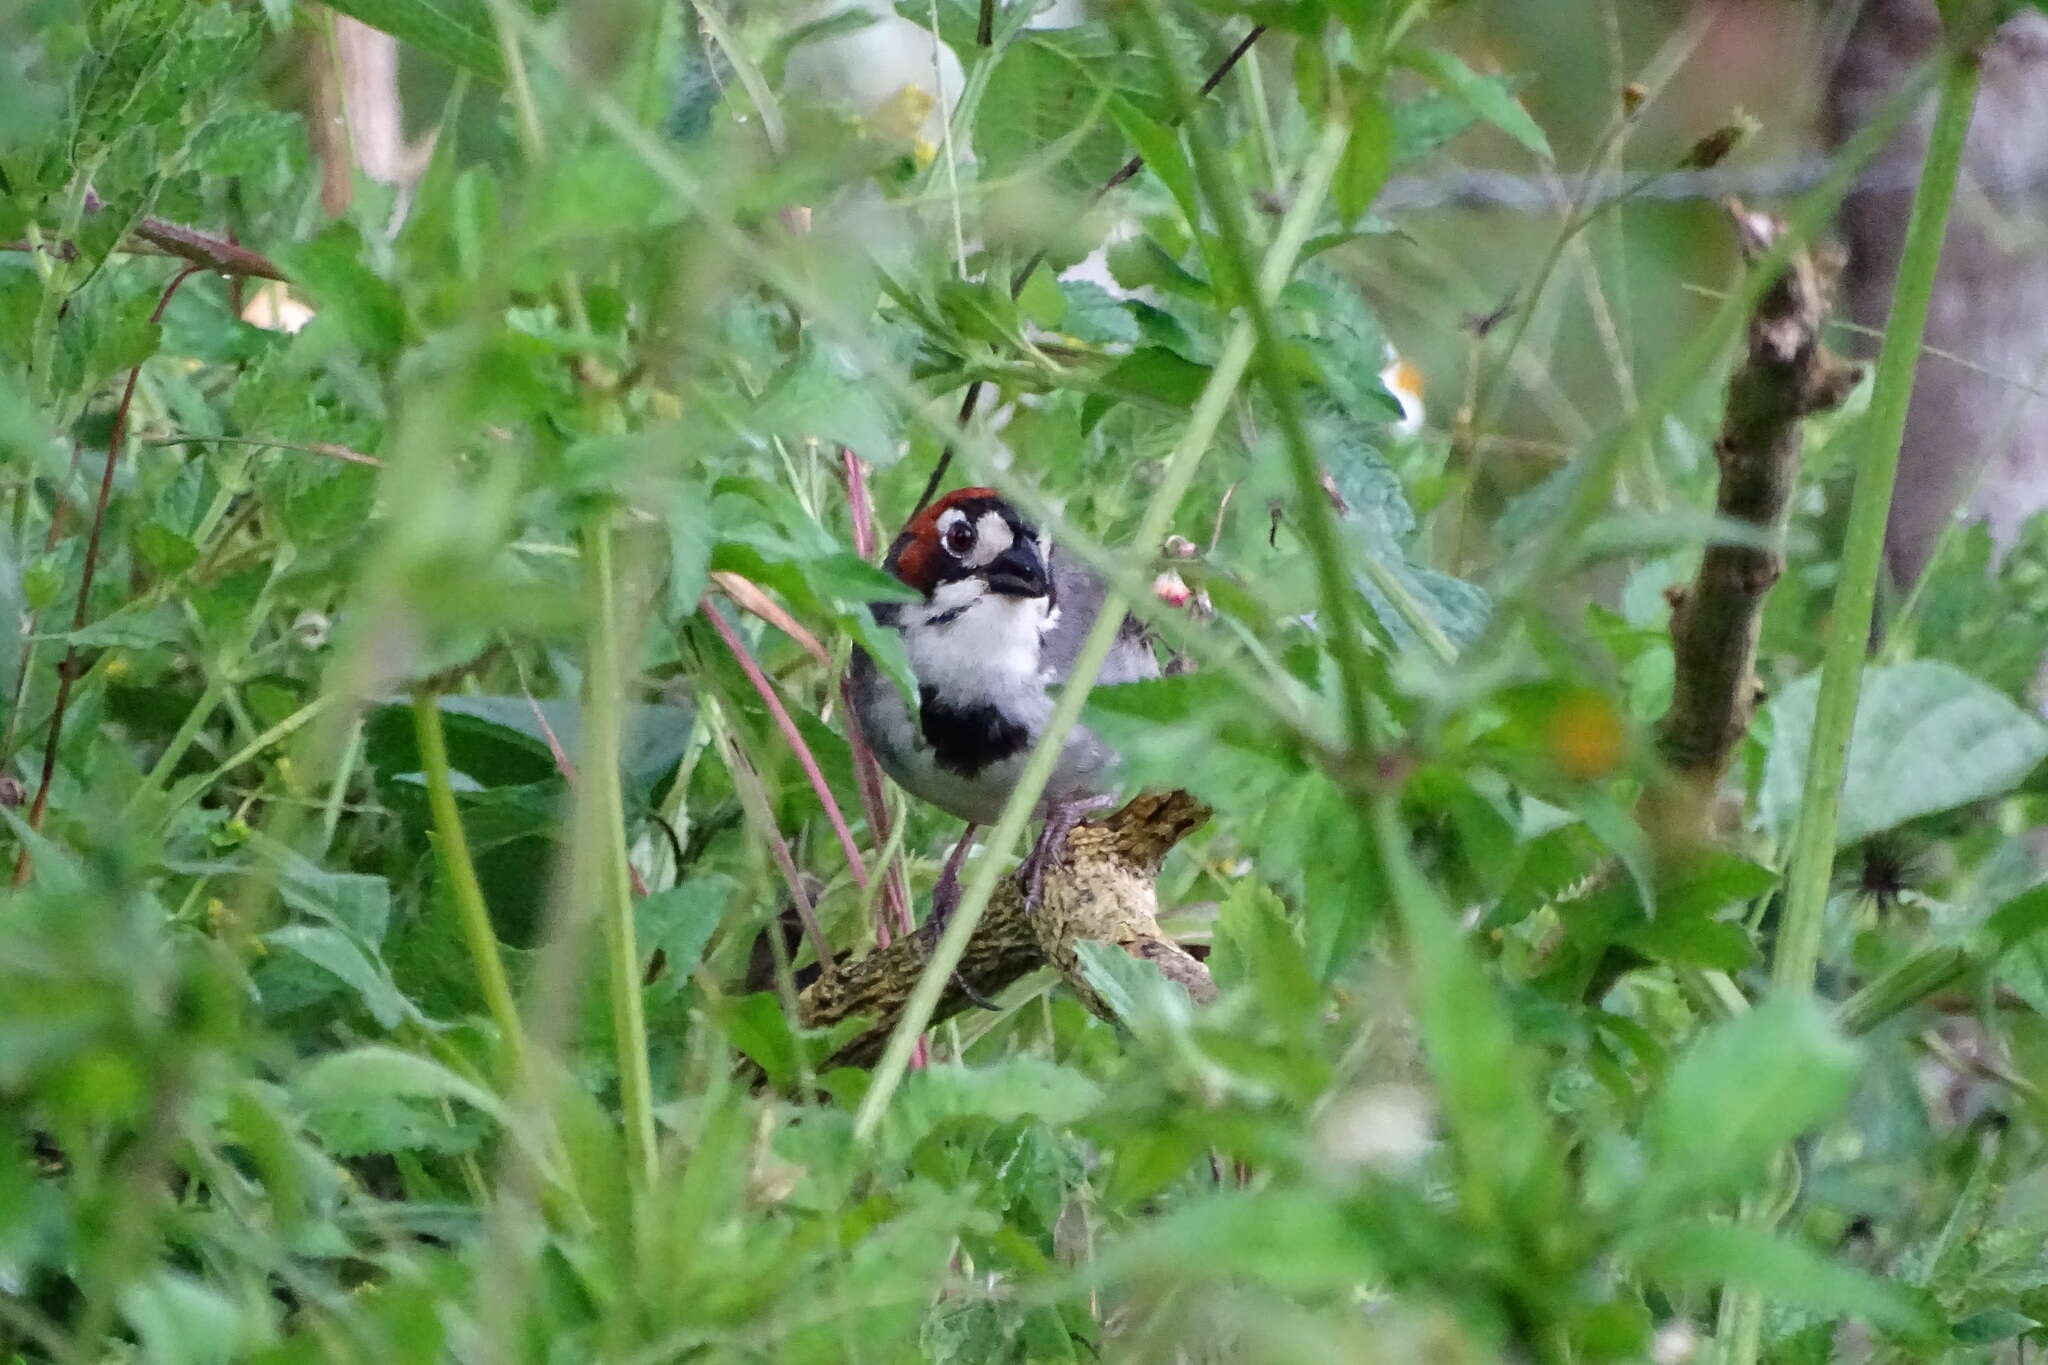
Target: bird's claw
{"x": 1060, "y": 821}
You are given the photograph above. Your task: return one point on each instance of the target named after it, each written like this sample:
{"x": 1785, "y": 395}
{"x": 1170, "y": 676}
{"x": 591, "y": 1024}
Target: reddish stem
{"x": 792, "y": 736}
{"x": 867, "y": 773}
{"x": 68, "y": 668}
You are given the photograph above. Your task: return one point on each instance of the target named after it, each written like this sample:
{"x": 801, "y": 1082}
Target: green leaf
{"x": 505, "y": 741}
{"x": 1048, "y": 101}
{"x": 459, "y": 32}
{"x": 1927, "y": 738}
{"x": 1368, "y": 158}
{"x": 140, "y": 626}
{"x": 1489, "y": 99}
{"x": 377, "y": 1072}
{"x": 680, "y": 919}
{"x": 1741, "y": 1255}
{"x": 182, "y": 1321}
{"x": 1741, "y": 1093}
{"x": 1136, "y": 992}
{"x": 338, "y": 954}
{"x": 757, "y": 1027}
{"x": 1014, "y": 1088}
{"x": 1484, "y": 1076}
{"x": 1992, "y": 1325}
{"x": 1164, "y": 154}
{"x": 824, "y": 394}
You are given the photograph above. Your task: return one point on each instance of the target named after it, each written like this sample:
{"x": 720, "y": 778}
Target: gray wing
{"x": 1080, "y": 595}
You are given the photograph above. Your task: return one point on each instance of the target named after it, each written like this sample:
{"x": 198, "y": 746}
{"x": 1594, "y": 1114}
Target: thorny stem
{"x": 1206, "y": 417}
{"x": 71, "y": 666}
{"x": 1813, "y": 842}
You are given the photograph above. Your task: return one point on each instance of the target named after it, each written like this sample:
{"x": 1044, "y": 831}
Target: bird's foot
{"x": 1060, "y": 821}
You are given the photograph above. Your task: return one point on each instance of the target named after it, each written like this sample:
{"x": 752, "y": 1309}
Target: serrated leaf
{"x": 1048, "y": 100}
{"x": 823, "y": 394}
{"x": 679, "y": 920}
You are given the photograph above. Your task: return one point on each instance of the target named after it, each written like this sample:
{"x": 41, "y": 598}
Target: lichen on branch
{"x": 1100, "y": 886}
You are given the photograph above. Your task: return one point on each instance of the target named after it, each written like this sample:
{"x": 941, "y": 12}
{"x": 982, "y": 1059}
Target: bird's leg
{"x": 945, "y": 900}
{"x": 946, "y": 891}
{"x": 1060, "y": 820}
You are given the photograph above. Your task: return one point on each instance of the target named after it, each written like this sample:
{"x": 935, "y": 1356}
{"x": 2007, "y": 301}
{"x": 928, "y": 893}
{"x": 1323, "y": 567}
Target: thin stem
{"x": 451, "y": 846}
{"x": 174, "y": 752}
{"x": 1813, "y": 841}
{"x": 1023, "y": 277}
{"x": 1338, "y": 598}
{"x": 791, "y": 736}
{"x": 276, "y": 734}
{"x": 1925, "y": 973}
{"x": 70, "y": 667}
{"x": 1588, "y": 483}
{"x": 1207, "y": 415}
{"x": 605, "y": 832}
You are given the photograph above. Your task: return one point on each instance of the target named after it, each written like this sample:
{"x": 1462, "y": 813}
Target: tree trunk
{"x": 1975, "y": 443}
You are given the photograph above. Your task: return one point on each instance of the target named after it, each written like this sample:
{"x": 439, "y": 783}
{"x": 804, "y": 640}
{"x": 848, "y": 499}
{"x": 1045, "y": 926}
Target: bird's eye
{"x": 960, "y": 538}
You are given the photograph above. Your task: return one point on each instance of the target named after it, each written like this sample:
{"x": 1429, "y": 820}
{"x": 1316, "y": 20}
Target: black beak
{"x": 1019, "y": 572}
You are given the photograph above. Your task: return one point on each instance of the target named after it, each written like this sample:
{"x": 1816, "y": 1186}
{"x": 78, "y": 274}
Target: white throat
{"x": 970, "y": 644}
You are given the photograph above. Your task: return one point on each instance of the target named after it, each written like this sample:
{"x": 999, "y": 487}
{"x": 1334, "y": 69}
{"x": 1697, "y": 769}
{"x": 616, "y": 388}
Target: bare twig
{"x": 1786, "y": 375}
{"x": 206, "y": 250}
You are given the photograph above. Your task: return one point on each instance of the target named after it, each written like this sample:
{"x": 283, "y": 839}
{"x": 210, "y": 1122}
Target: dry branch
{"x": 1101, "y": 886}
{"x": 1786, "y": 375}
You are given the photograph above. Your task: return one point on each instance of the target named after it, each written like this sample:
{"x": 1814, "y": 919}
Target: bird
{"x": 1001, "y": 620}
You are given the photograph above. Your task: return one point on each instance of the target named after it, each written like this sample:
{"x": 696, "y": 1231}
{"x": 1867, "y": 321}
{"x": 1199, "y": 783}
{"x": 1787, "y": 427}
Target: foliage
{"x": 1496, "y": 1060}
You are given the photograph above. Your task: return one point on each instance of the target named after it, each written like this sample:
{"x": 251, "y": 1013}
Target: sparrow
{"x": 1001, "y": 621}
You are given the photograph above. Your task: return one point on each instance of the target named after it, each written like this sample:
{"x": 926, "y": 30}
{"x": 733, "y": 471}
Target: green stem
{"x": 467, "y": 894}
{"x": 174, "y": 752}
{"x": 1904, "y": 986}
{"x": 1209, "y": 410}
{"x": 1813, "y": 841}
{"x": 1338, "y": 599}
{"x": 605, "y": 832}
{"x": 1740, "y": 1331}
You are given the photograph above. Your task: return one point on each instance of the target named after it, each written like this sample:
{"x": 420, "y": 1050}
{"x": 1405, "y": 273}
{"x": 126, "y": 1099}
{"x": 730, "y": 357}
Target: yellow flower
{"x": 900, "y": 118}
